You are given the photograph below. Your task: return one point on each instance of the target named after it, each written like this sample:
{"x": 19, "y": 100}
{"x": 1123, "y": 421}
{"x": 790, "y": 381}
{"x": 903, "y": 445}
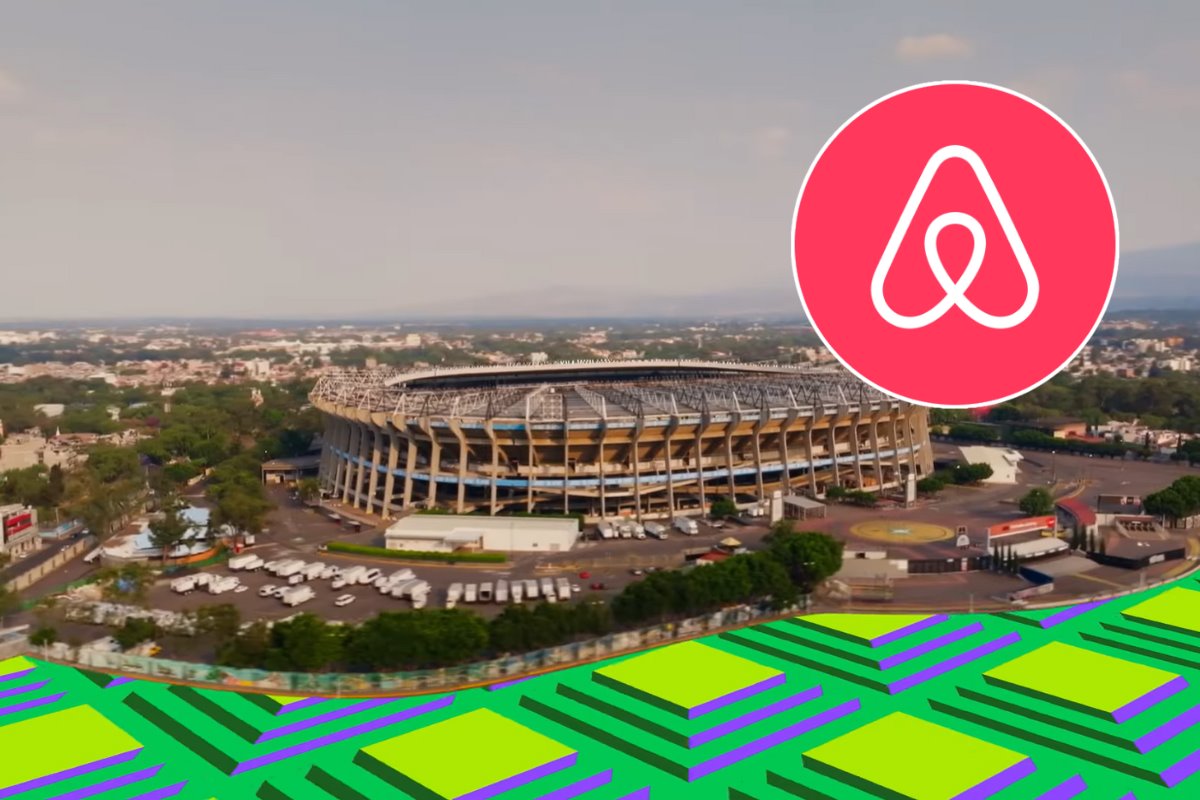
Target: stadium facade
{"x": 610, "y": 437}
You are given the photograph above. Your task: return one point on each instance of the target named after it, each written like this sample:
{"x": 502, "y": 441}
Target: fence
{"x": 500, "y": 669}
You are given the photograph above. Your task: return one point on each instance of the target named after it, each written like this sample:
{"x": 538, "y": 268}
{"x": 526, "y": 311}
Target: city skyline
{"x": 298, "y": 160}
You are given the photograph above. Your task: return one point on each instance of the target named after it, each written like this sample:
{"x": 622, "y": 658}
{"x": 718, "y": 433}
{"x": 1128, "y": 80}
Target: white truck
{"x": 502, "y": 592}
{"x": 184, "y": 585}
{"x": 564, "y": 589}
{"x": 370, "y": 576}
{"x": 485, "y": 592}
{"x": 352, "y": 576}
{"x": 518, "y": 591}
{"x": 531, "y": 589}
{"x": 222, "y": 585}
{"x": 454, "y": 594}
{"x": 686, "y": 526}
{"x": 656, "y": 529}
{"x": 548, "y": 589}
{"x": 241, "y": 562}
{"x": 420, "y": 600}
{"x": 625, "y": 529}
{"x": 299, "y": 594}
{"x": 312, "y": 572}
{"x": 289, "y": 568}
{"x": 469, "y": 595}
{"x": 605, "y": 529}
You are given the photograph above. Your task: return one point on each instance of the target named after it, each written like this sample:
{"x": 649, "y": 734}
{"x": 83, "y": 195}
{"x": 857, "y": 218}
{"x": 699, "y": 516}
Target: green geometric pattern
{"x": 1099, "y": 700}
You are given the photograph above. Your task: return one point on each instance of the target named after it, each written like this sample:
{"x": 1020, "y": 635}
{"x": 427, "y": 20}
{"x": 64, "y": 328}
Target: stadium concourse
{"x": 609, "y": 437}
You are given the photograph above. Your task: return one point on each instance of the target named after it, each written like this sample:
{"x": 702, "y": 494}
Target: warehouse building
{"x": 447, "y": 533}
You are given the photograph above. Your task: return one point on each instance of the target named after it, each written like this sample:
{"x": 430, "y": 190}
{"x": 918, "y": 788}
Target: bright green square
{"x": 686, "y": 675}
{"x": 56, "y": 742}
{"x": 1177, "y": 608}
{"x": 864, "y": 628}
{"x": 912, "y": 757}
{"x": 1078, "y": 677}
{"x": 466, "y": 753}
{"x": 18, "y": 664}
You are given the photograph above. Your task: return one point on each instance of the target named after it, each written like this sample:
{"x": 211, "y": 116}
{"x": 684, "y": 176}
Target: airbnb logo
{"x": 913, "y": 256}
{"x": 955, "y": 290}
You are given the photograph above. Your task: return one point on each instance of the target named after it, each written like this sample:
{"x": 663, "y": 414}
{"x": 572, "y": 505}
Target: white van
{"x": 686, "y": 526}
{"x": 656, "y": 529}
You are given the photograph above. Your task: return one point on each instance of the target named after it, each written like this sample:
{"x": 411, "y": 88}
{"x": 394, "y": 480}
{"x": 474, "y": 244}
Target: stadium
{"x": 608, "y": 437}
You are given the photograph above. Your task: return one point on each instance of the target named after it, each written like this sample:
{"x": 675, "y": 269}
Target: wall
{"x": 417, "y": 681}
{"x": 27, "y": 579}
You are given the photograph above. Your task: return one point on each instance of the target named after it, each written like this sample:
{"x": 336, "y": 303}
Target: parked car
{"x": 338, "y": 583}
{"x": 597, "y": 585}
{"x": 344, "y": 600}
{"x": 267, "y": 591}
{"x": 585, "y": 575}
{"x": 636, "y": 572}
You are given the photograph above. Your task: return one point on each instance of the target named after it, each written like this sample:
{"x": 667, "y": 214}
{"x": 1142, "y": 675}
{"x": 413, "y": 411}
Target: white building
{"x": 1004, "y": 462}
{"x": 445, "y": 533}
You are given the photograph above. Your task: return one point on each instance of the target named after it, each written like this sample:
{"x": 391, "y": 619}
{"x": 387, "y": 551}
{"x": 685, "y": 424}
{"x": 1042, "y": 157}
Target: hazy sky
{"x": 297, "y": 157}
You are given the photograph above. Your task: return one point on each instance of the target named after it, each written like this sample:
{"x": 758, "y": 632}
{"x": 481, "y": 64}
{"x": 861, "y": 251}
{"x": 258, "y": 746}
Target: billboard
{"x": 17, "y": 523}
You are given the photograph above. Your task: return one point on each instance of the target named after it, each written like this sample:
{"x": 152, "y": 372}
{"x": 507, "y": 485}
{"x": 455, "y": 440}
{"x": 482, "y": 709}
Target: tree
{"x": 309, "y": 489}
{"x": 930, "y": 485}
{"x": 43, "y": 636}
{"x": 168, "y": 530}
{"x": 723, "y": 507}
{"x": 809, "y": 558}
{"x": 135, "y": 631}
{"x": 222, "y": 622}
{"x": 9, "y": 602}
{"x": 1037, "y": 502}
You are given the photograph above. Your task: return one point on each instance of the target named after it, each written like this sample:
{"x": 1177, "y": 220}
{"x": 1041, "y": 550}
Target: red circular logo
{"x": 955, "y": 244}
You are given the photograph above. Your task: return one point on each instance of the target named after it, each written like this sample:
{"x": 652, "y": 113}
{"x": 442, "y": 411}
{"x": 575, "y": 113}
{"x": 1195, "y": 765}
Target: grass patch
{"x": 415, "y": 555}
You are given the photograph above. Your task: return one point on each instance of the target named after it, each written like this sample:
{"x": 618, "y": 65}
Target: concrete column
{"x": 360, "y": 473}
{"x": 857, "y": 454}
{"x": 812, "y": 459}
{"x": 672, "y": 426}
{"x": 529, "y": 456}
{"x": 875, "y": 449}
{"x": 600, "y": 467}
{"x": 566, "y": 459}
{"x": 337, "y": 460}
{"x": 763, "y": 416}
{"x": 637, "y": 466}
{"x": 897, "y": 464}
{"x": 351, "y": 449}
{"x": 785, "y": 427}
{"x": 460, "y": 499}
{"x": 389, "y": 481}
{"x": 410, "y": 464}
{"x": 495, "y": 466}
{"x": 833, "y": 453}
{"x": 704, "y": 420}
{"x": 376, "y": 463}
{"x": 435, "y": 461}
{"x": 734, "y": 420}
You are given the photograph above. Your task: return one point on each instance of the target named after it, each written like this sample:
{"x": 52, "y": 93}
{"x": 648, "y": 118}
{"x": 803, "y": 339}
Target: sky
{"x": 292, "y": 157}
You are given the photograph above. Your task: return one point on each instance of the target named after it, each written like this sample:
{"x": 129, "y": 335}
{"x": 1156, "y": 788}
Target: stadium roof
{"x": 595, "y": 390}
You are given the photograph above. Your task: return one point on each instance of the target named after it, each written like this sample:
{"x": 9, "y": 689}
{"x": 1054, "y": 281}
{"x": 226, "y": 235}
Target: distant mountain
{"x": 1167, "y": 277}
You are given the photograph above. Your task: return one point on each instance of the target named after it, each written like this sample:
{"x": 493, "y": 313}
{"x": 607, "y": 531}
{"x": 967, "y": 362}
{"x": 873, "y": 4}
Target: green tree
{"x": 722, "y": 508}
{"x": 135, "y": 631}
{"x": 9, "y": 602}
{"x": 305, "y": 643}
{"x": 309, "y": 489}
{"x": 44, "y": 636}
{"x": 221, "y": 622}
{"x": 168, "y": 530}
{"x": 930, "y": 485}
{"x": 1037, "y": 502}
{"x": 809, "y": 558}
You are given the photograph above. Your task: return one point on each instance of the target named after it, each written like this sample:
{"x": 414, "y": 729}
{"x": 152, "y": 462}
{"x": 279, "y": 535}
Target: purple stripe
{"x": 1064, "y": 791}
{"x": 1059, "y": 617}
{"x": 933, "y": 644}
{"x": 12, "y": 676}
{"x": 29, "y": 687}
{"x": 159, "y": 794}
{"x": 117, "y": 681}
{"x": 765, "y": 743}
{"x": 299, "y": 704}
{"x": 339, "y": 736}
{"x": 66, "y": 774}
{"x": 579, "y": 787}
{"x": 908, "y": 630}
{"x": 1131, "y": 710}
{"x": 345, "y": 711}
{"x": 1181, "y": 769}
{"x": 1168, "y": 730}
{"x": 110, "y": 784}
{"x": 733, "y": 697}
{"x": 641, "y": 794}
{"x": 736, "y": 724}
{"x": 505, "y": 684}
{"x": 520, "y": 779}
{"x": 998, "y": 782}
{"x": 953, "y": 663}
{"x": 40, "y": 701}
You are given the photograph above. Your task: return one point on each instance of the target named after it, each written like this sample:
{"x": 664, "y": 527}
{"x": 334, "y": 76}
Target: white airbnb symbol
{"x": 955, "y": 291}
